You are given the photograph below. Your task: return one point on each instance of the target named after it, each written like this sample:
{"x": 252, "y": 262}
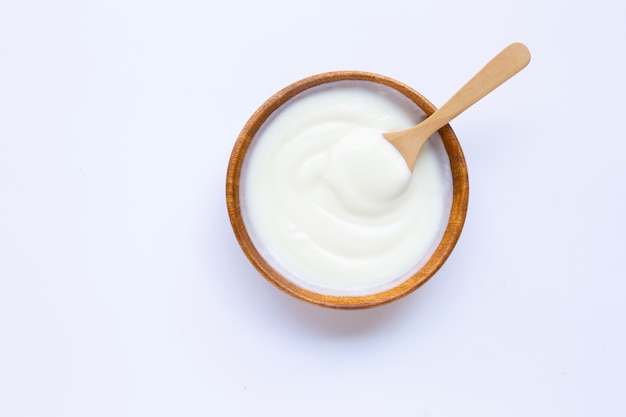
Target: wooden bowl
{"x": 460, "y": 190}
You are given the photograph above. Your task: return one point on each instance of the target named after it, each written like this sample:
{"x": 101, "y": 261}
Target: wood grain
{"x": 443, "y": 250}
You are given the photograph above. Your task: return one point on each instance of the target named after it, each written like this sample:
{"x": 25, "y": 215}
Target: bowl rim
{"x": 456, "y": 221}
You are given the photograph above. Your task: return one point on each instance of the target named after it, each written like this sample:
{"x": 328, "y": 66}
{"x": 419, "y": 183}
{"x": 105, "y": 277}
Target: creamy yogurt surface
{"x": 330, "y": 204}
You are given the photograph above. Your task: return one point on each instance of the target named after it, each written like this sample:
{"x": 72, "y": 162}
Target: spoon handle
{"x": 503, "y": 66}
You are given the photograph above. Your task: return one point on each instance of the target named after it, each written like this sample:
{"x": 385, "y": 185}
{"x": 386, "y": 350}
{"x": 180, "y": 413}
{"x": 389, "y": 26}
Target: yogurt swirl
{"x": 331, "y": 203}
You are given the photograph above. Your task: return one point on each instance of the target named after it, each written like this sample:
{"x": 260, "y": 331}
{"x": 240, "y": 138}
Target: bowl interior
{"x": 351, "y": 301}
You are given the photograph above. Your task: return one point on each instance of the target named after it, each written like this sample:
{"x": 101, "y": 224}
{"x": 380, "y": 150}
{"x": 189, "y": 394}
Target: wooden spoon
{"x": 502, "y": 67}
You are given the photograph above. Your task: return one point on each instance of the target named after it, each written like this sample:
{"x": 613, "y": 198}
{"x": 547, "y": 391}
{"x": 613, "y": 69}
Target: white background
{"x": 123, "y": 291}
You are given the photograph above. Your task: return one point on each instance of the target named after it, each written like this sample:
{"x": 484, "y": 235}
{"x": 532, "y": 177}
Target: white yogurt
{"x": 331, "y": 204}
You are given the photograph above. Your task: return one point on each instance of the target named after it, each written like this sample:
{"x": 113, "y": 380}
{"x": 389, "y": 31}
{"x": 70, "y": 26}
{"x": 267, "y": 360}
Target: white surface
{"x": 124, "y": 293}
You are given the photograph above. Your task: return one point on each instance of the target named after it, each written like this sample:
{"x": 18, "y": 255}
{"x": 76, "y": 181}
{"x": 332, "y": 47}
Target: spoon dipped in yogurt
{"x": 503, "y": 66}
